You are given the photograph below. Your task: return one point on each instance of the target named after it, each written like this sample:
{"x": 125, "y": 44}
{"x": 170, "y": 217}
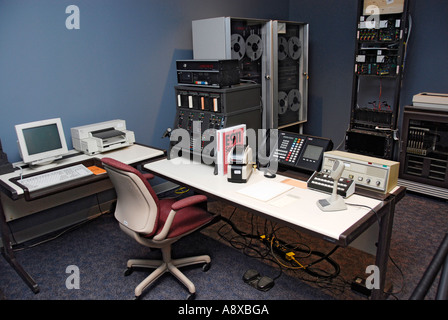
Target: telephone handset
{"x": 299, "y": 151}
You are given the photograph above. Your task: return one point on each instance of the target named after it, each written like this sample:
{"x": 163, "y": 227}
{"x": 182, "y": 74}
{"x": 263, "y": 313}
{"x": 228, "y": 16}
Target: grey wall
{"x": 332, "y": 45}
{"x": 120, "y": 64}
{"x": 427, "y": 59}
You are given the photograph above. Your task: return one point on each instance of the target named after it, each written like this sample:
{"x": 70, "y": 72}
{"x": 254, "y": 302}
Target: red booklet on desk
{"x": 227, "y": 138}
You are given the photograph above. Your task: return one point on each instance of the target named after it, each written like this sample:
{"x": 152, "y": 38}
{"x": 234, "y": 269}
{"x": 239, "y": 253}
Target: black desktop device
{"x": 208, "y": 73}
{"x": 5, "y": 165}
{"x": 299, "y": 152}
{"x": 202, "y": 108}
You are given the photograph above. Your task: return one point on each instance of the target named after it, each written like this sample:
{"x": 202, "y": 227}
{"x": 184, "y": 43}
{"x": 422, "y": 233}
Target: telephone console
{"x": 299, "y": 151}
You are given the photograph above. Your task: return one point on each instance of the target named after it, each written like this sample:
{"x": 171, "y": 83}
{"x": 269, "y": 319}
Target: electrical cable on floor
{"x": 246, "y": 243}
{"x": 181, "y": 190}
{"x": 248, "y": 246}
{"x": 282, "y": 264}
{"x": 390, "y": 257}
{"x": 403, "y": 284}
{"x": 306, "y": 267}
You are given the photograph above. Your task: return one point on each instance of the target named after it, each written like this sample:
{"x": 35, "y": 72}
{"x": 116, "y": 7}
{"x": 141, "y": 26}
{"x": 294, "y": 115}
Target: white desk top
{"x": 131, "y": 154}
{"x": 296, "y": 206}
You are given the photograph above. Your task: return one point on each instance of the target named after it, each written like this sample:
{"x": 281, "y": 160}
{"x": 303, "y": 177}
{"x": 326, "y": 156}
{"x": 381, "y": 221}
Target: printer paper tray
{"x": 107, "y": 134}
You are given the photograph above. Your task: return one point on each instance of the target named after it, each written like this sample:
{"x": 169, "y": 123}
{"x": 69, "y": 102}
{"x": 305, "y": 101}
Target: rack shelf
{"x": 424, "y": 148}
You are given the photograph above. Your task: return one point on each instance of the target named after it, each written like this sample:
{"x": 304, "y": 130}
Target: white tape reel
{"x": 294, "y": 48}
{"x": 238, "y": 46}
{"x": 282, "y": 48}
{"x": 254, "y": 47}
{"x": 282, "y": 102}
{"x": 294, "y": 100}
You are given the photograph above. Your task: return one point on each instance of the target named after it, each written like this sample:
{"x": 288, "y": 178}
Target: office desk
{"x": 134, "y": 154}
{"x": 295, "y": 207}
{"x": 17, "y": 202}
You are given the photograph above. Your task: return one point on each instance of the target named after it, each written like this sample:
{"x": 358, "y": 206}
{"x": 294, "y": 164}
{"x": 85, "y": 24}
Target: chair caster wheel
{"x": 191, "y": 296}
{"x": 206, "y": 267}
{"x": 128, "y": 272}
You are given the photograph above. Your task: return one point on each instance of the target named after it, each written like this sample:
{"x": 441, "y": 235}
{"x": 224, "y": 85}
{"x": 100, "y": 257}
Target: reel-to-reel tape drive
{"x": 289, "y": 53}
{"x": 247, "y": 46}
{"x": 271, "y": 53}
{"x": 289, "y": 48}
{"x": 288, "y": 101}
{"x": 253, "y": 44}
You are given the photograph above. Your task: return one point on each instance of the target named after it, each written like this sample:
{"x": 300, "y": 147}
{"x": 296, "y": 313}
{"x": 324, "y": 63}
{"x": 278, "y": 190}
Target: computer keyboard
{"x": 55, "y": 177}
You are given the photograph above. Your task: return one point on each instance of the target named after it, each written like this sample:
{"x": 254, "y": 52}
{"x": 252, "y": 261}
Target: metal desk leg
{"x": 8, "y": 253}
{"x": 382, "y": 253}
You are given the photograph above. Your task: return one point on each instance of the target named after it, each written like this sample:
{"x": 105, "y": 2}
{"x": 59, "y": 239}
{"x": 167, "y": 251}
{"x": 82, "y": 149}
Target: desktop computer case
{"x": 272, "y": 53}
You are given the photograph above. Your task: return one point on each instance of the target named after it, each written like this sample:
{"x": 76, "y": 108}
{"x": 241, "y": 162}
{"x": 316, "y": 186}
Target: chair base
{"x": 166, "y": 265}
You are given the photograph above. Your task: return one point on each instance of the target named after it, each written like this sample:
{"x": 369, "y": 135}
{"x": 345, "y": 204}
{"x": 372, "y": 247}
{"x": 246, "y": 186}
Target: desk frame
{"x": 9, "y": 256}
{"x": 7, "y": 249}
{"x": 384, "y": 217}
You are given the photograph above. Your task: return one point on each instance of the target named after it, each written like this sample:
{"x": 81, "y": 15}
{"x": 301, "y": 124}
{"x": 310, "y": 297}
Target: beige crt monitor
{"x": 41, "y": 142}
{"x": 371, "y": 173}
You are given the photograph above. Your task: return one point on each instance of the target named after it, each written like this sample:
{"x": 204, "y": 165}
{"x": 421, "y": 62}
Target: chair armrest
{"x": 186, "y": 202}
{"x": 148, "y": 176}
{"x": 183, "y": 203}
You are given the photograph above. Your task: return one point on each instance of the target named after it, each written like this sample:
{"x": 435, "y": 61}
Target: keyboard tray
{"x": 33, "y": 195}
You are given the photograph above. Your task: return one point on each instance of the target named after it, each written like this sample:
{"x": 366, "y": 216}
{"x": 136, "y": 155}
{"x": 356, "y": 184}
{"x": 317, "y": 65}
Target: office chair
{"x": 156, "y": 223}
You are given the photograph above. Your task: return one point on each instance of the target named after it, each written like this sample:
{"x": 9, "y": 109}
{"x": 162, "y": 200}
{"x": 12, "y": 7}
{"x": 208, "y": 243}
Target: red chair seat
{"x": 186, "y": 219}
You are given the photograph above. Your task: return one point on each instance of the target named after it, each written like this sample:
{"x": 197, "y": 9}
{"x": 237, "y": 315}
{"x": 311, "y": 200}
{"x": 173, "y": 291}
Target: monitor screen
{"x": 42, "y": 139}
{"x": 41, "y": 142}
{"x": 313, "y": 152}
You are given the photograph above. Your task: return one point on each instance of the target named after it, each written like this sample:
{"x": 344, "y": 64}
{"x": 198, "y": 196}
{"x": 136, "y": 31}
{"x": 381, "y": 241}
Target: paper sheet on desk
{"x": 285, "y": 200}
{"x": 265, "y": 190}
